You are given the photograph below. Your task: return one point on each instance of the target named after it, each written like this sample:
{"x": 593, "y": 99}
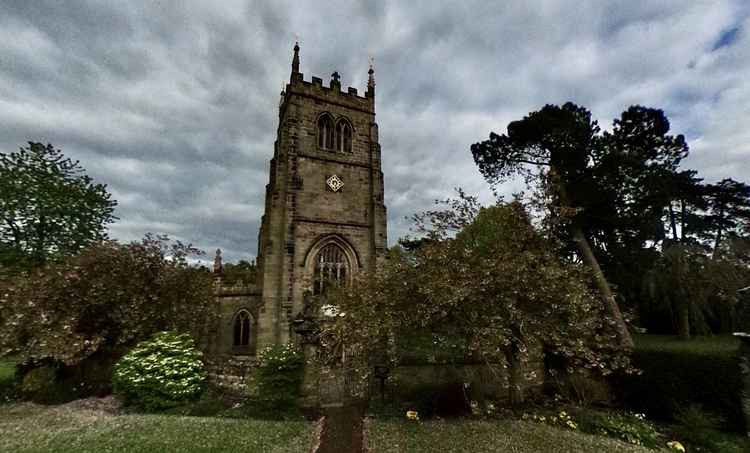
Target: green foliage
{"x": 676, "y": 374}
{"x": 696, "y": 425}
{"x": 560, "y": 419}
{"x": 495, "y": 289}
{"x": 279, "y": 377}
{"x": 108, "y": 297}
{"x": 8, "y": 381}
{"x": 50, "y": 207}
{"x": 631, "y": 428}
{"x": 623, "y": 192}
{"x": 698, "y": 294}
{"x": 162, "y": 372}
{"x": 241, "y": 272}
{"x": 41, "y": 385}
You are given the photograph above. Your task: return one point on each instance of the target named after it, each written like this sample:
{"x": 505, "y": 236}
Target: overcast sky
{"x": 174, "y": 104}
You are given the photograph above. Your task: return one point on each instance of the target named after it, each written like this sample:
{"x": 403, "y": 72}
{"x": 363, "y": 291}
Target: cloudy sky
{"x": 173, "y": 104}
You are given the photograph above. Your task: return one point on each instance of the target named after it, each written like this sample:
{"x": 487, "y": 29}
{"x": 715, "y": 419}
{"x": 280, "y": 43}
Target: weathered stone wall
{"x": 301, "y": 210}
{"x": 230, "y": 367}
{"x": 231, "y": 299}
{"x": 487, "y": 381}
{"x": 234, "y": 375}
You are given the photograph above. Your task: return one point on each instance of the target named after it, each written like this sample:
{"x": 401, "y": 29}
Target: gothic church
{"x": 324, "y": 220}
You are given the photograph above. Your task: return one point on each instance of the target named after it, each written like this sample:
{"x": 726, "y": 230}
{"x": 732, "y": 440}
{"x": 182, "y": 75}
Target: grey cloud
{"x": 173, "y": 104}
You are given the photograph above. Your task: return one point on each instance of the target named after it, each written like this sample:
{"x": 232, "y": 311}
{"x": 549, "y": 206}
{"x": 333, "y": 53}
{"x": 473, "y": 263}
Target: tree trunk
{"x": 683, "y": 213}
{"x": 683, "y": 322}
{"x": 515, "y": 376}
{"x": 717, "y": 241}
{"x": 673, "y": 223}
{"x": 623, "y": 336}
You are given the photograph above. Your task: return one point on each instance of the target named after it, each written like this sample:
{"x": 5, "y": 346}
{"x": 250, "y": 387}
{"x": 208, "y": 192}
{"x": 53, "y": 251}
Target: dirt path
{"x": 342, "y": 430}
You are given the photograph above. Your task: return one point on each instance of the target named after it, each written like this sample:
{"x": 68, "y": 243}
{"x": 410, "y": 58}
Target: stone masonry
{"x": 317, "y": 197}
{"x": 303, "y": 213}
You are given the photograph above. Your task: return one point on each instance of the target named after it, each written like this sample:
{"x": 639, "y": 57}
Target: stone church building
{"x": 324, "y": 220}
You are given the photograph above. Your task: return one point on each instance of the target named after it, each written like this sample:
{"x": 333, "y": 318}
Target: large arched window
{"x": 242, "y": 328}
{"x": 343, "y": 136}
{"x": 331, "y": 268}
{"x": 325, "y": 132}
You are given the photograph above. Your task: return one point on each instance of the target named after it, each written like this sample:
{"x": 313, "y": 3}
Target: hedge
{"x": 675, "y": 374}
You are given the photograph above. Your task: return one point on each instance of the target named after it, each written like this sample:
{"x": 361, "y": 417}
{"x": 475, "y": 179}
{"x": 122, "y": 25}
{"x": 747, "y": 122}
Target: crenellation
{"x": 305, "y": 214}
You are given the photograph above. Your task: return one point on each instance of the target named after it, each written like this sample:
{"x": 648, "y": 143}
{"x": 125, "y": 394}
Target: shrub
{"x": 676, "y": 374}
{"x": 159, "y": 373}
{"x": 700, "y": 429}
{"x": 8, "y": 380}
{"x": 41, "y": 385}
{"x": 108, "y": 297}
{"x": 631, "y": 428}
{"x": 279, "y": 376}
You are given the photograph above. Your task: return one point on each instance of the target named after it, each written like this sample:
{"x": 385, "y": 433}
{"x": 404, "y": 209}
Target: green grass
{"x": 28, "y": 427}
{"x": 677, "y": 374}
{"x": 7, "y": 379}
{"x": 718, "y": 344}
{"x": 485, "y": 436}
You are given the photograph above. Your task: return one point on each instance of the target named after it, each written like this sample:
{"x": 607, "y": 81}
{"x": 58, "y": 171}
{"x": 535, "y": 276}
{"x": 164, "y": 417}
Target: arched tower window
{"x": 242, "y": 328}
{"x": 325, "y": 132}
{"x": 331, "y": 268}
{"x": 343, "y": 136}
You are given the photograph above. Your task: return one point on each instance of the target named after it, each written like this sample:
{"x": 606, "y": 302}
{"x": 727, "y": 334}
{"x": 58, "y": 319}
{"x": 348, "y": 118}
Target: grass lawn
{"x": 485, "y": 436}
{"x": 716, "y": 344}
{"x": 26, "y": 427}
{"x": 7, "y": 377}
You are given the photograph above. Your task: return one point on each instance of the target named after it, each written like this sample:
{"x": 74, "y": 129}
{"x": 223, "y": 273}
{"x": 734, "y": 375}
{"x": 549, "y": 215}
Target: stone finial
{"x": 218, "y": 267}
{"x": 295, "y": 60}
{"x": 371, "y": 78}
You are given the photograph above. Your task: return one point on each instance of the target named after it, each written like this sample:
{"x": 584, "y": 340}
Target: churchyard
{"x": 585, "y": 287}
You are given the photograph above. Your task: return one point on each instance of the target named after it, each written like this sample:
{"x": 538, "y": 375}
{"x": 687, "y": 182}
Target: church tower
{"x": 325, "y": 218}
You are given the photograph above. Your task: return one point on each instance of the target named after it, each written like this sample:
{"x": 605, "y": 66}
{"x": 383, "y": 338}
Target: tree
{"x": 49, "y": 207}
{"x": 552, "y": 148}
{"x": 729, "y": 210}
{"x": 497, "y": 287}
{"x": 697, "y": 294}
{"x": 108, "y": 297}
{"x": 243, "y": 271}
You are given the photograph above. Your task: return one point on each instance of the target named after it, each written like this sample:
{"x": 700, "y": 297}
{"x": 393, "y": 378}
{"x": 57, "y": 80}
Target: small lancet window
{"x": 242, "y": 328}
{"x": 343, "y": 137}
{"x": 331, "y": 268}
{"x": 325, "y": 132}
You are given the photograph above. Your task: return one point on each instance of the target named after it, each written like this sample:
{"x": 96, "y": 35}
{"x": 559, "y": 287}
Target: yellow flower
{"x": 676, "y": 446}
{"x": 571, "y": 424}
{"x": 412, "y": 415}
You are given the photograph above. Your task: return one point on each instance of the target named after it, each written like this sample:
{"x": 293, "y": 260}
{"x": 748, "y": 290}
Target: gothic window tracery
{"x": 331, "y": 268}
{"x": 343, "y": 137}
{"x": 325, "y": 132}
{"x": 242, "y": 328}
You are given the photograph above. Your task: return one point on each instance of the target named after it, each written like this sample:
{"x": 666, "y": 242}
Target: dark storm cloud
{"x": 173, "y": 103}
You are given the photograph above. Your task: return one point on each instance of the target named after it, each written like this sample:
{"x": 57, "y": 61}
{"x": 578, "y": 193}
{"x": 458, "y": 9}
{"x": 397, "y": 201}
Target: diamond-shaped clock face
{"x": 334, "y": 183}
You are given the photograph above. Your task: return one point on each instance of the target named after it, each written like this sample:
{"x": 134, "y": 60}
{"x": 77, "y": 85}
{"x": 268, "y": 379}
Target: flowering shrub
{"x": 161, "y": 372}
{"x": 562, "y": 419}
{"x": 631, "y": 428}
{"x": 279, "y": 375}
